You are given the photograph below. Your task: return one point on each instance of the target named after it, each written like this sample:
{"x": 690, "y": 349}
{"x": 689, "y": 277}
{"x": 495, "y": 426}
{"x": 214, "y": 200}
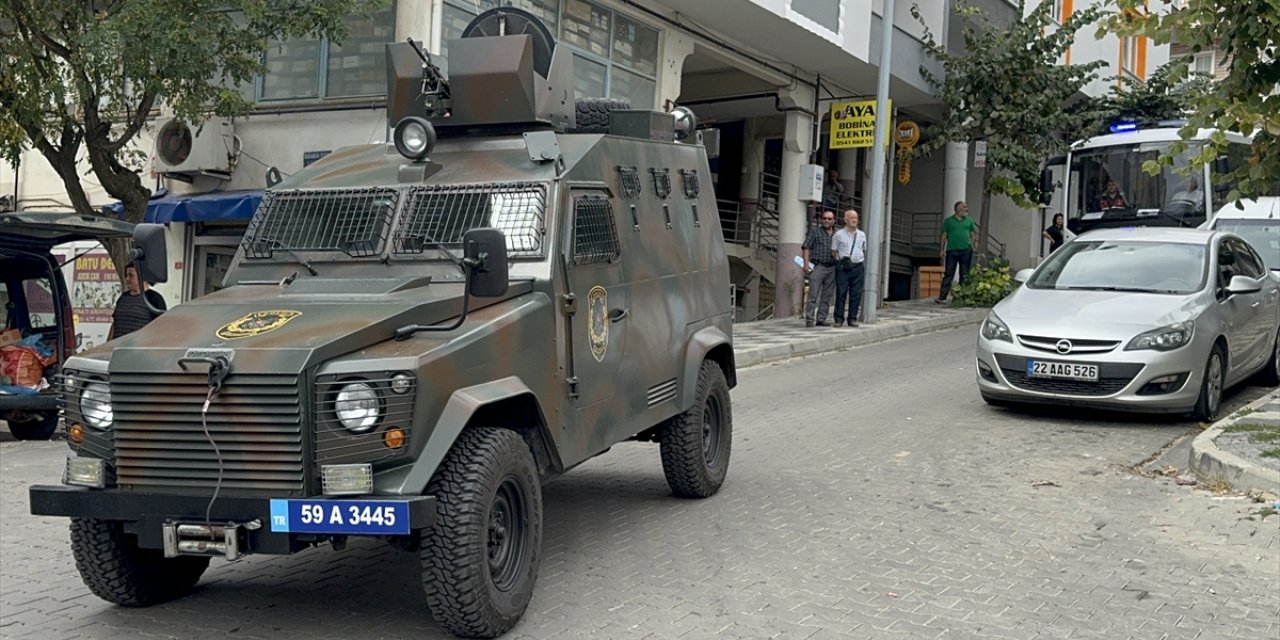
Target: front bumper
{"x": 1122, "y": 375}
{"x": 42, "y": 403}
{"x": 146, "y": 515}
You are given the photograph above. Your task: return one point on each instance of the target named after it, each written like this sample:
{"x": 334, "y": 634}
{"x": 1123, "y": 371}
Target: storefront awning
{"x": 202, "y": 207}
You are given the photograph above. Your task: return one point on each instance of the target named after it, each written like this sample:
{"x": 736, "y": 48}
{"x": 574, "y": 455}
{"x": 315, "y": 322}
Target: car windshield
{"x": 1263, "y": 235}
{"x": 1124, "y": 265}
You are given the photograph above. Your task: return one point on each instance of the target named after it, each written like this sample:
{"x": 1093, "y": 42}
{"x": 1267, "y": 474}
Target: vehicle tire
{"x": 35, "y": 429}
{"x": 117, "y": 570}
{"x": 592, "y": 114}
{"x": 1270, "y": 375}
{"x": 695, "y": 445}
{"x": 1211, "y": 387}
{"x": 480, "y": 558}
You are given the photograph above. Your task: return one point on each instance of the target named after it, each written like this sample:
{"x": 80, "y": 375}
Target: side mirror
{"x": 150, "y": 253}
{"x": 1046, "y": 187}
{"x": 1243, "y": 284}
{"x": 485, "y": 254}
{"x": 1221, "y": 166}
{"x": 1023, "y": 275}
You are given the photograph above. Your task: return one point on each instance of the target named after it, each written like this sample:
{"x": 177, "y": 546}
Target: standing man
{"x": 832, "y": 191}
{"x": 131, "y": 312}
{"x": 821, "y": 271}
{"x": 850, "y": 248}
{"x": 959, "y": 233}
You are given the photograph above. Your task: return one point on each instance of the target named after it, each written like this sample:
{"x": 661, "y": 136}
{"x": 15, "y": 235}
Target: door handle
{"x": 1256, "y": 304}
{"x": 618, "y": 314}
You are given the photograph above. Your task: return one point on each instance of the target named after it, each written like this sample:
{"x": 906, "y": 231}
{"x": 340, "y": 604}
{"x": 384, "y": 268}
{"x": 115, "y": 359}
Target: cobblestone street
{"x": 871, "y": 494}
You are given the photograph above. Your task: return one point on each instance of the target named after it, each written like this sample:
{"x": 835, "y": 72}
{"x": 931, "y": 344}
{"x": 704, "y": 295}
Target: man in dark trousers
{"x": 850, "y": 249}
{"x": 959, "y": 233}
{"x": 131, "y": 311}
{"x": 816, "y": 251}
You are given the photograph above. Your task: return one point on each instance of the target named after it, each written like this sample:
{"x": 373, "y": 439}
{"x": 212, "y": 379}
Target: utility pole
{"x": 876, "y": 230}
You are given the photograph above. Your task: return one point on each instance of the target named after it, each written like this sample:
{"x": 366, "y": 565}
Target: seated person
{"x": 1190, "y": 193}
{"x": 1112, "y": 199}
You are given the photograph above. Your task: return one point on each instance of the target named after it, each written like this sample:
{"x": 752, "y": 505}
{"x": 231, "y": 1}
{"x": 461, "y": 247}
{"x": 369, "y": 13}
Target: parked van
{"x": 37, "y": 327}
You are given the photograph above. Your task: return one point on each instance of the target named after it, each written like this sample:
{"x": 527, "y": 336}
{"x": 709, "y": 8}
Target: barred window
{"x": 630, "y": 179}
{"x": 691, "y": 187}
{"x": 443, "y": 215}
{"x": 353, "y": 221}
{"x": 595, "y": 236}
{"x": 661, "y": 182}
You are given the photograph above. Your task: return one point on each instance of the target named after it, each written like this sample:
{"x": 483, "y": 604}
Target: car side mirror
{"x": 150, "y": 253}
{"x": 1243, "y": 284}
{"x": 485, "y": 254}
{"x": 1023, "y": 275}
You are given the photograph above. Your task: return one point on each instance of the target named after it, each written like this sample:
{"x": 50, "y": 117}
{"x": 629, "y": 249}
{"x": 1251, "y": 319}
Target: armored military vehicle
{"x": 413, "y": 337}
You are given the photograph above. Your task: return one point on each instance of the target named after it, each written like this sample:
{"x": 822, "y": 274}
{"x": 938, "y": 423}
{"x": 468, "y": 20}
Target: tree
{"x": 1158, "y": 98}
{"x": 89, "y": 75}
{"x": 1008, "y": 89}
{"x": 1246, "y": 100}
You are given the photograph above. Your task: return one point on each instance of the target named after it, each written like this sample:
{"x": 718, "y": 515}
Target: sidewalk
{"x": 771, "y": 340}
{"x": 1238, "y": 464}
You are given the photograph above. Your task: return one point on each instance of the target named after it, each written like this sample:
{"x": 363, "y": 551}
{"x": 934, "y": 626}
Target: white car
{"x": 1257, "y": 221}
{"x": 1149, "y": 319}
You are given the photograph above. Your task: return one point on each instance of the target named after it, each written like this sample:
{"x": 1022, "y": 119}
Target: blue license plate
{"x": 358, "y": 517}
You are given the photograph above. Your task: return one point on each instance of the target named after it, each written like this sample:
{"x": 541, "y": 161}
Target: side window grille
{"x": 661, "y": 182}
{"x": 689, "y": 177}
{"x": 353, "y": 221}
{"x": 595, "y": 236}
{"x": 630, "y": 178}
{"x": 445, "y": 214}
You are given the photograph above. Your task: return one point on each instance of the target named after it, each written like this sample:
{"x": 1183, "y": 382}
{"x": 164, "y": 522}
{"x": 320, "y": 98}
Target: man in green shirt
{"x": 959, "y": 233}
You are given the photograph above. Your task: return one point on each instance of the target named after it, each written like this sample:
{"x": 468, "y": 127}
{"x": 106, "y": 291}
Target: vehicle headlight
{"x": 993, "y": 328}
{"x": 95, "y": 405}
{"x": 1163, "y": 339}
{"x": 401, "y": 383}
{"x": 358, "y": 407}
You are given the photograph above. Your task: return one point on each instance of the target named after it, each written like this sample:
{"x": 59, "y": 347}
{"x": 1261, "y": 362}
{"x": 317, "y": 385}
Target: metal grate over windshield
{"x": 353, "y": 221}
{"x": 445, "y": 214}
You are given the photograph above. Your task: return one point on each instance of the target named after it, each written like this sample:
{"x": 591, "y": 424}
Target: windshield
{"x": 1124, "y": 265}
{"x": 1109, "y": 182}
{"x": 1262, "y": 235}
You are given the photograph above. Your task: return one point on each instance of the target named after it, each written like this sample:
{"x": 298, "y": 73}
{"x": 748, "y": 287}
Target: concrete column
{"x": 676, "y": 48}
{"x": 847, "y": 162}
{"x": 797, "y": 145}
{"x": 752, "y": 167}
{"x": 955, "y": 176}
{"x": 865, "y": 177}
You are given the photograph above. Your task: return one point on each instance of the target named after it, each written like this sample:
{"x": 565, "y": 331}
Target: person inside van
{"x": 1190, "y": 194}
{"x": 131, "y": 312}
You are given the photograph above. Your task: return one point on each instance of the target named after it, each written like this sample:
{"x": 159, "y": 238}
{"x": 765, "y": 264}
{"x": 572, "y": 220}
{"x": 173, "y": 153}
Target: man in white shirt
{"x": 849, "y": 247}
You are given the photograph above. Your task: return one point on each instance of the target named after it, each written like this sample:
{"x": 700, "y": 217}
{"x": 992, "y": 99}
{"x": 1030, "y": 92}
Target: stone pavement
{"x": 770, "y": 340}
{"x": 1212, "y": 461}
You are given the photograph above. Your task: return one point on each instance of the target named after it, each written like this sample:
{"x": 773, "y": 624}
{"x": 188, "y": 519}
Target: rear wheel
{"x": 1211, "y": 387}
{"x": 480, "y": 559}
{"x": 35, "y": 428}
{"x": 117, "y": 570}
{"x": 695, "y": 445}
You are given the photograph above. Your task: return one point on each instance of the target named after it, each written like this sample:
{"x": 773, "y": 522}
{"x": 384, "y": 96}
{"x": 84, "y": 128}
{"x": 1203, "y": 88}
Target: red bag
{"x": 23, "y": 365}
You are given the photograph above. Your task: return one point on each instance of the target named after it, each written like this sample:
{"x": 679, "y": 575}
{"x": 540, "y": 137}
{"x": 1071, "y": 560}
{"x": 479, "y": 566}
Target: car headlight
{"x": 358, "y": 407}
{"x": 993, "y": 328}
{"x": 1163, "y": 339}
{"x": 95, "y": 405}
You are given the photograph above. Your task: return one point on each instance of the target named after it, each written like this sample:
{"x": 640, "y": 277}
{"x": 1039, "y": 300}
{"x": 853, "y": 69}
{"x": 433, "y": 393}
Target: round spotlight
{"x": 686, "y": 122}
{"x": 414, "y": 137}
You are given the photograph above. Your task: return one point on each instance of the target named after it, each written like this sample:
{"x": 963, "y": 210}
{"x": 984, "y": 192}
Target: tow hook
{"x": 226, "y": 540}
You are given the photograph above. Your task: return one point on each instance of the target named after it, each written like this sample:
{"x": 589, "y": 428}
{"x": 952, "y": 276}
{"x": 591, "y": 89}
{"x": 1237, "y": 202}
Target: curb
{"x": 866, "y": 335}
{"x": 1208, "y": 461}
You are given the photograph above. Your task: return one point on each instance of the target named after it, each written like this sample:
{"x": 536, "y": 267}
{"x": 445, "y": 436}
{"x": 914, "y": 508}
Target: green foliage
{"x": 985, "y": 285}
{"x": 88, "y": 75}
{"x": 1150, "y": 101}
{"x": 1246, "y": 100}
{"x": 1008, "y": 88}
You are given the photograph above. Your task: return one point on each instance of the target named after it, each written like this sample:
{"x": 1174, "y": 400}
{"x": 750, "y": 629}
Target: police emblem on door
{"x": 598, "y": 319}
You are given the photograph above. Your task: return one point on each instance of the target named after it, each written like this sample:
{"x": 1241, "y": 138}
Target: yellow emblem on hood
{"x": 256, "y": 323}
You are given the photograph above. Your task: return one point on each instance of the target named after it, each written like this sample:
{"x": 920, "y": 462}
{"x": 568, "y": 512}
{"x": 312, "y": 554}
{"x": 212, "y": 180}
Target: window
{"x": 595, "y": 237}
{"x": 614, "y": 56}
{"x": 315, "y": 67}
{"x": 1203, "y": 63}
{"x": 825, "y": 13}
{"x": 1129, "y": 55}
{"x": 1055, "y": 11}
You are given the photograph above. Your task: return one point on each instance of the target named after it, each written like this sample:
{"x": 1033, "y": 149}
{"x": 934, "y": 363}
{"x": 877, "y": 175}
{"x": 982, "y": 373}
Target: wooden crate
{"x": 929, "y": 282}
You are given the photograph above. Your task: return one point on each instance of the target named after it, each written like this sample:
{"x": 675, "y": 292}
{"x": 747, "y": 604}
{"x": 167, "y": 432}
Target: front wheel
{"x": 1211, "y": 387}
{"x": 35, "y": 428}
{"x": 117, "y": 570}
{"x": 695, "y": 445}
{"x": 480, "y": 559}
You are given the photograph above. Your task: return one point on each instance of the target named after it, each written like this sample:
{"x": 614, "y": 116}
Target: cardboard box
{"x": 9, "y": 336}
{"x": 930, "y": 281}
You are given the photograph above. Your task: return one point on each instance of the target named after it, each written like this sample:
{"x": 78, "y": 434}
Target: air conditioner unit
{"x": 208, "y": 149}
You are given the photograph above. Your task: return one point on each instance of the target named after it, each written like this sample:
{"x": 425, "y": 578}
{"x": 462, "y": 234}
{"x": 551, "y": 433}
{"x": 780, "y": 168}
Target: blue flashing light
{"x": 1123, "y": 127}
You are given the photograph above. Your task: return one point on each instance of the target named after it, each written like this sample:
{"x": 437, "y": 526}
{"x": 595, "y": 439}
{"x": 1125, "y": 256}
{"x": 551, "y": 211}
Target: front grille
{"x": 161, "y": 446}
{"x": 1050, "y": 344}
{"x": 1112, "y": 378}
